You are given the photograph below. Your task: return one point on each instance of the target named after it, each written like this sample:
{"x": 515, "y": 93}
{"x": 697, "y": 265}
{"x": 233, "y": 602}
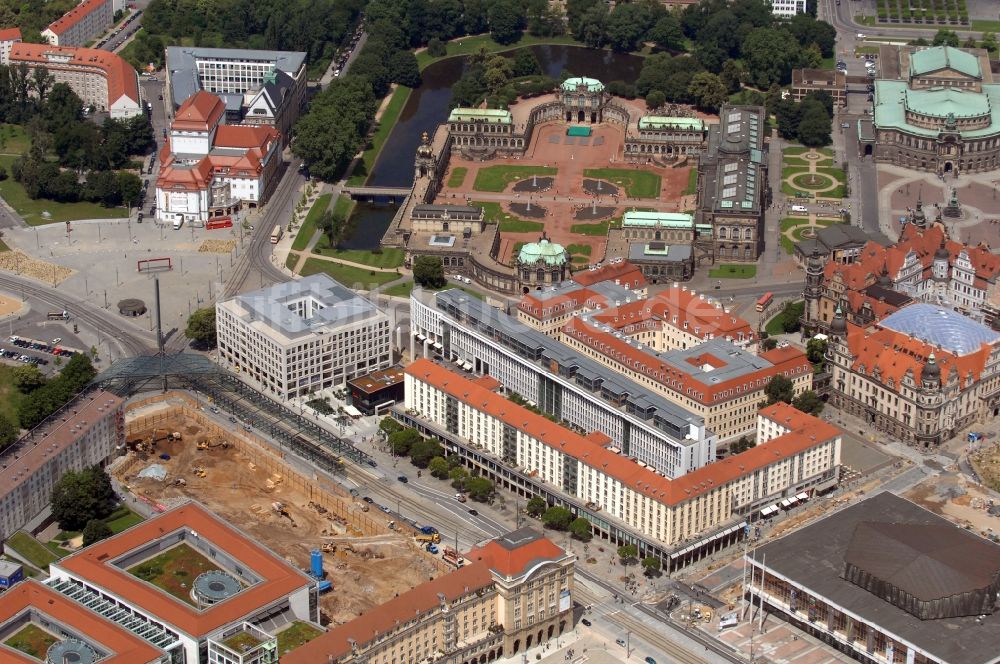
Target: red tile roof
{"x": 517, "y": 561}
{"x": 75, "y": 15}
{"x": 628, "y": 472}
{"x": 199, "y": 112}
{"x": 623, "y": 273}
{"x": 120, "y": 76}
{"x": 196, "y": 177}
{"x": 238, "y": 136}
{"x": 10, "y": 34}
{"x": 278, "y": 578}
{"x": 391, "y": 615}
{"x": 561, "y": 304}
{"x": 124, "y": 646}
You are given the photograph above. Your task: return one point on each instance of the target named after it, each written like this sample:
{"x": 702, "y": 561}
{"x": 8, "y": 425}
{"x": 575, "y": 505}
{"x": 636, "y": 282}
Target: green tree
{"x": 741, "y": 445}
{"x": 27, "y": 378}
{"x": 946, "y": 38}
{"x": 8, "y": 433}
{"x": 422, "y": 451}
{"x": 708, "y": 90}
{"x": 808, "y": 402}
{"x": 458, "y": 477}
{"x": 667, "y": 34}
{"x": 768, "y": 344}
{"x": 506, "y": 21}
{"x": 732, "y": 75}
{"x": 436, "y": 48}
{"x": 439, "y": 467}
{"x": 581, "y": 530}
{"x": 80, "y": 496}
{"x": 779, "y": 388}
{"x": 78, "y": 372}
{"x": 651, "y": 565}
{"x": 536, "y": 506}
{"x": 816, "y": 350}
{"x": 557, "y": 517}
{"x": 769, "y": 55}
{"x": 401, "y": 441}
{"x": 655, "y": 99}
{"x": 388, "y": 425}
{"x": 428, "y": 271}
{"x": 95, "y": 531}
{"x": 201, "y": 326}
{"x": 628, "y": 553}
{"x": 816, "y": 125}
{"x": 479, "y": 489}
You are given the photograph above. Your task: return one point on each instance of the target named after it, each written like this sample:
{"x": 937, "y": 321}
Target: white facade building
{"x": 560, "y": 381}
{"x": 787, "y": 8}
{"x": 302, "y": 336}
{"x": 81, "y": 24}
{"x": 8, "y": 37}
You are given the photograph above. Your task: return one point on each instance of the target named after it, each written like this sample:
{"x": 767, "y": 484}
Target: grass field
{"x": 582, "y": 249}
{"x": 637, "y": 184}
{"x": 308, "y": 226}
{"x": 692, "y": 185}
{"x": 32, "y": 640}
{"x": 509, "y": 223}
{"x": 791, "y": 222}
{"x": 496, "y": 178}
{"x": 457, "y": 176}
{"x": 10, "y": 396}
{"x": 296, "y": 634}
{"x": 727, "y": 271}
{"x": 31, "y": 549}
{"x": 352, "y": 277}
{"x": 404, "y": 289}
{"x": 31, "y": 210}
{"x": 122, "y": 519}
{"x": 174, "y": 570}
{"x": 385, "y": 125}
{"x": 13, "y": 139}
{"x": 389, "y": 257}
{"x": 292, "y": 260}
{"x": 599, "y": 228}
{"x": 801, "y": 149}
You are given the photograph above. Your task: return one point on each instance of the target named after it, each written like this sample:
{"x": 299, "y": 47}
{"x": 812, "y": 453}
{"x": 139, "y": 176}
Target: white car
{"x": 861, "y": 35}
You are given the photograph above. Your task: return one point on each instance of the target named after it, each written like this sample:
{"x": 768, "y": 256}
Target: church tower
{"x": 813, "y": 289}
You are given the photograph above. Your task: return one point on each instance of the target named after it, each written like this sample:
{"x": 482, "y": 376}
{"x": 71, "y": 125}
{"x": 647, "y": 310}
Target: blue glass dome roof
{"x": 942, "y": 327}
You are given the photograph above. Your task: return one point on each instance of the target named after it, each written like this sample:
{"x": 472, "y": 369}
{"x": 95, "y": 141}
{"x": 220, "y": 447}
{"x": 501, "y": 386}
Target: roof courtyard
{"x": 174, "y": 570}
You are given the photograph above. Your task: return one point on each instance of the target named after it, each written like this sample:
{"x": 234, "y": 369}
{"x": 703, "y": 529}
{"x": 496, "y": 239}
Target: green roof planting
{"x": 658, "y": 219}
{"x": 543, "y": 250}
{"x": 493, "y": 115}
{"x": 893, "y": 97}
{"x": 929, "y": 60}
{"x": 664, "y": 122}
{"x": 592, "y": 84}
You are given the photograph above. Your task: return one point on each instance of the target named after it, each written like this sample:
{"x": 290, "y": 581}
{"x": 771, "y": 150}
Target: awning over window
{"x": 467, "y": 366}
{"x": 437, "y": 344}
{"x": 420, "y": 337}
{"x": 352, "y": 411}
{"x": 802, "y": 496}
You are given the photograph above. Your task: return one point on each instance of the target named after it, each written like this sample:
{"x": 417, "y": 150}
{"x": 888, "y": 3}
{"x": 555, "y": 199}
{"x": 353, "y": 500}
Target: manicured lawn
{"x": 292, "y": 260}
{"x": 342, "y": 208}
{"x": 637, "y": 184}
{"x": 457, "y": 176}
{"x": 399, "y": 290}
{"x": 31, "y": 640}
{"x": 31, "y": 210}
{"x": 583, "y": 249}
{"x": 497, "y": 178}
{"x": 509, "y": 223}
{"x": 801, "y": 149}
{"x": 385, "y": 125}
{"x": 10, "y": 396}
{"x": 31, "y": 549}
{"x": 308, "y": 226}
{"x": 776, "y": 324}
{"x": 726, "y": 271}
{"x": 389, "y": 257}
{"x": 835, "y": 173}
{"x": 13, "y": 139}
{"x": 985, "y": 26}
{"x": 352, "y": 277}
{"x": 786, "y": 244}
{"x": 122, "y": 519}
{"x": 174, "y": 570}
{"x": 791, "y": 222}
{"x": 470, "y": 45}
{"x": 692, "y": 185}
{"x": 600, "y": 228}
{"x": 296, "y": 634}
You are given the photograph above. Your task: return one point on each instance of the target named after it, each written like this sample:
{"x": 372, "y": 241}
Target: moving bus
{"x": 276, "y": 234}
{"x": 764, "y": 301}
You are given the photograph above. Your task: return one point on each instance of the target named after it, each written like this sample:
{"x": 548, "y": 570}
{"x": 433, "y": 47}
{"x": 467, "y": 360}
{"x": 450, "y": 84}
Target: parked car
{"x": 368, "y": 499}
{"x": 473, "y": 512}
{"x": 586, "y": 622}
{"x": 403, "y": 479}
{"x": 620, "y": 642}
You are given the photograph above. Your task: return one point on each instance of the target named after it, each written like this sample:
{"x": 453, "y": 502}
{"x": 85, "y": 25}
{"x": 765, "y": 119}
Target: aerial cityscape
{"x": 412, "y": 331}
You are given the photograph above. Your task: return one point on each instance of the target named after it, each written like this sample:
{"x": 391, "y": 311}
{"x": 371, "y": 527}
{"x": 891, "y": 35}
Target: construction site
{"x": 176, "y": 452}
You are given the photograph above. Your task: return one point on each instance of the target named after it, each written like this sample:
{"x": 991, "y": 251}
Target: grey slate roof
{"x": 183, "y": 68}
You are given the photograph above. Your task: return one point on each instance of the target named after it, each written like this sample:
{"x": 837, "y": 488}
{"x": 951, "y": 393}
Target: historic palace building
{"x": 732, "y": 183}
{"x": 923, "y": 265}
{"x": 921, "y": 375}
{"x": 944, "y": 118}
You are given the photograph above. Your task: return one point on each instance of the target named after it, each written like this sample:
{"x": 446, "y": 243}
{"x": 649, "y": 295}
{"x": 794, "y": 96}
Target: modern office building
{"x": 885, "y": 580}
{"x": 924, "y": 265}
{"x": 560, "y": 381}
{"x": 942, "y": 116}
{"x": 795, "y": 453}
{"x": 513, "y": 593}
{"x": 8, "y": 37}
{"x": 213, "y": 169}
{"x": 100, "y": 78}
{"x": 80, "y": 25}
{"x": 807, "y": 81}
{"x": 302, "y": 336}
{"x": 733, "y": 191}
{"x": 249, "y": 584}
{"x": 921, "y": 374}
{"x": 257, "y": 87}
{"x": 74, "y": 632}
{"x": 10, "y": 574}
{"x": 83, "y": 433}
{"x": 376, "y": 392}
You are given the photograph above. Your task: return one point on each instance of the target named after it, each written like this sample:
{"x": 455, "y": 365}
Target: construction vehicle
{"x": 205, "y": 445}
{"x": 429, "y": 539}
{"x": 329, "y": 547}
{"x": 199, "y": 471}
{"x": 452, "y": 556}
{"x": 283, "y": 511}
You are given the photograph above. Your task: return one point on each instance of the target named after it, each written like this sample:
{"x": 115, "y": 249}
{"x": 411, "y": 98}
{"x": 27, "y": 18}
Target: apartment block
{"x": 805, "y": 457}
{"x": 302, "y": 336}
{"x": 560, "y": 381}
{"x": 83, "y": 433}
{"x": 82, "y": 24}
{"x": 8, "y": 37}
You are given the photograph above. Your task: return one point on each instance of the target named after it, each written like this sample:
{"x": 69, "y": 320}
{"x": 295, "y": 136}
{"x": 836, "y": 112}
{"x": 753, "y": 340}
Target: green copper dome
{"x": 543, "y": 250}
